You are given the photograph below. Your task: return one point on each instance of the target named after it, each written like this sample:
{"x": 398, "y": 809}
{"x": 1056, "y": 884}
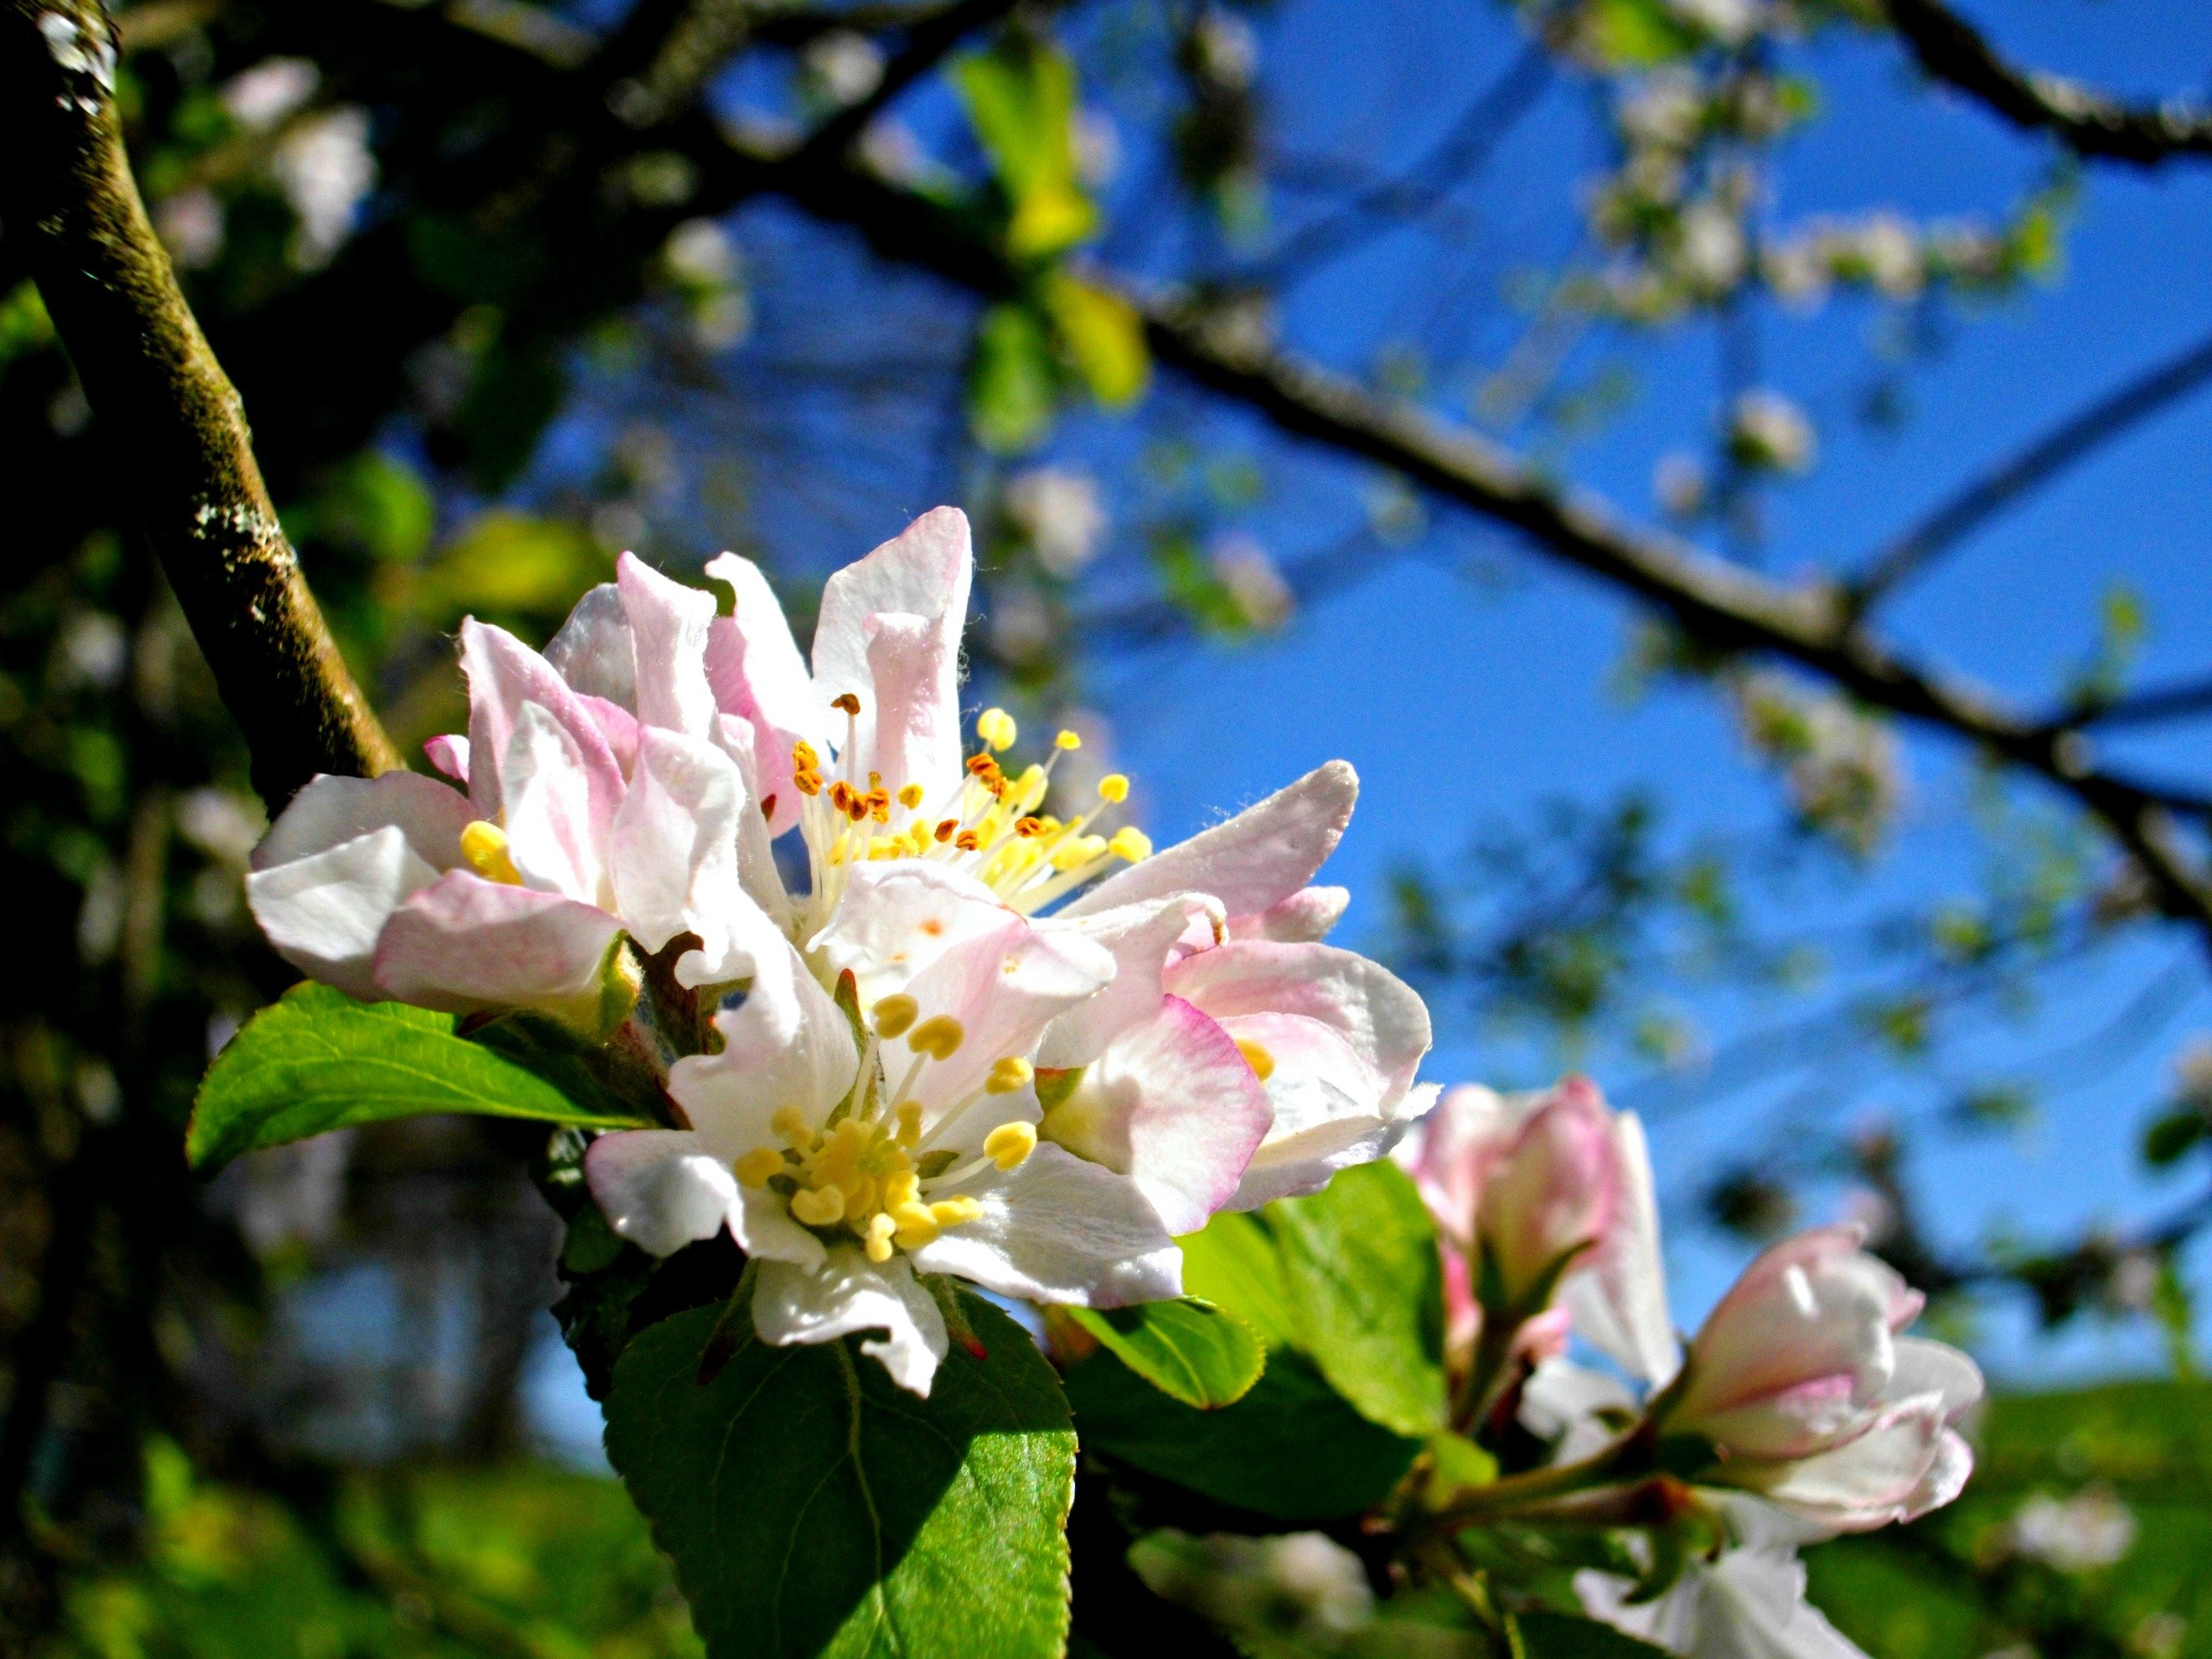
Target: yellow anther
{"x": 878, "y": 1238}
{"x": 1131, "y": 843}
{"x": 791, "y": 1123}
{"x": 886, "y": 846}
{"x": 918, "y": 836}
{"x": 952, "y": 1211}
{"x": 1009, "y": 1144}
{"x": 1030, "y": 788}
{"x": 996, "y": 727}
{"x": 916, "y": 1225}
{"x": 1068, "y": 740}
{"x": 1113, "y": 787}
{"x": 860, "y": 1194}
{"x": 939, "y": 1037}
{"x": 757, "y": 1166}
{"x": 819, "y": 1206}
{"x": 803, "y": 757}
{"x": 909, "y": 1122}
{"x": 901, "y": 1189}
{"x": 1257, "y": 1057}
{"x": 1009, "y": 1074}
{"x": 1078, "y": 850}
{"x": 895, "y": 1016}
{"x": 909, "y": 796}
{"x": 483, "y": 844}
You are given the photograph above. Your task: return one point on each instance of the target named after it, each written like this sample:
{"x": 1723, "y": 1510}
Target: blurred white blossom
{"x": 324, "y": 168}
{"x": 1262, "y": 597}
{"x": 1061, "y": 513}
{"x": 1298, "y": 1584}
{"x": 260, "y": 97}
{"x": 191, "y": 226}
{"x": 2091, "y": 1529}
{"x": 845, "y": 66}
{"x": 1767, "y": 431}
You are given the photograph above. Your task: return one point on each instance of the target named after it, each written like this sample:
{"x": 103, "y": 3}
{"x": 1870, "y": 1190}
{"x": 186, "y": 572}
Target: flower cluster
{"x": 1798, "y": 1410}
{"x": 982, "y": 1037}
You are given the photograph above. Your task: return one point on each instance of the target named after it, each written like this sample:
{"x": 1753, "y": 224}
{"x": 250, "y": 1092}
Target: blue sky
{"x": 1466, "y": 704}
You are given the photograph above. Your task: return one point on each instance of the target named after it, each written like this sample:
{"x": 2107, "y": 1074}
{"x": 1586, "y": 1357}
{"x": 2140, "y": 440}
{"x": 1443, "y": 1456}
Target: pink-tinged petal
{"x": 1254, "y": 861}
{"x": 1937, "y": 1370}
{"x": 1906, "y": 1462}
{"x": 593, "y": 653}
{"x": 1449, "y": 1151}
{"x": 1059, "y": 1229}
{"x": 668, "y": 625}
{"x": 1552, "y": 1192}
{"x": 1749, "y": 1604}
{"x": 924, "y": 571}
{"x": 504, "y": 676}
{"x": 618, "y": 726}
{"x": 786, "y": 1044}
{"x": 450, "y": 755}
{"x": 909, "y": 729}
{"x": 550, "y": 833}
{"x": 464, "y": 944}
{"x": 1003, "y": 987}
{"x": 1560, "y": 1403}
{"x": 1141, "y": 938}
{"x": 847, "y": 1293}
{"x": 674, "y": 855}
{"x": 1618, "y": 1298}
{"x": 1330, "y": 1107}
{"x": 757, "y": 870}
{"x": 1304, "y": 918}
{"x": 323, "y": 913}
{"x": 332, "y": 809}
{"x": 1380, "y": 1017}
{"x": 897, "y": 917}
{"x": 1173, "y": 1104}
{"x": 756, "y": 673}
{"x": 659, "y": 1188}
{"x": 1798, "y": 1348}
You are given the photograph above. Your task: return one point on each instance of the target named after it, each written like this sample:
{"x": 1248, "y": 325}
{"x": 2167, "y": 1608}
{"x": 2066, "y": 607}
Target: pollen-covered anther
{"x": 1131, "y": 843}
{"x": 1257, "y": 1057}
{"x": 483, "y": 844}
{"x": 803, "y": 758}
{"x": 876, "y": 1242}
{"x": 1010, "y": 1145}
{"x": 791, "y": 1123}
{"x": 754, "y": 1168}
{"x": 817, "y": 1207}
{"x": 967, "y": 841}
{"x": 1025, "y": 828}
{"x": 1067, "y": 739}
{"x": 946, "y": 828}
{"x": 1113, "y": 787}
{"x": 916, "y": 1225}
{"x": 894, "y": 1015}
{"x": 1009, "y": 1074}
{"x": 879, "y": 803}
{"x": 996, "y": 727}
{"x": 909, "y": 796}
{"x": 848, "y": 703}
{"x": 909, "y": 1118}
{"x": 956, "y": 1212}
{"x": 939, "y": 1036}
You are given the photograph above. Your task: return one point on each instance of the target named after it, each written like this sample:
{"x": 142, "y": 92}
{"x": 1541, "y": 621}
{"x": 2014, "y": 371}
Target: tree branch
{"x": 183, "y": 456}
{"x": 2163, "y": 702}
{"x": 2087, "y": 122}
{"x": 927, "y": 43}
{"x": 2072, "y": 439}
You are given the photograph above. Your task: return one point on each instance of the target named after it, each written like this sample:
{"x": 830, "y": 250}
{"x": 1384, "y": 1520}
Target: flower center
{"x": 868, "y": 1171}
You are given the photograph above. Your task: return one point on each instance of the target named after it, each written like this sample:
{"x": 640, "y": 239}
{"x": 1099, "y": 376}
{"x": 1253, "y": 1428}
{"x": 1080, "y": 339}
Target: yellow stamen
{"x": 483, "y": 844}
{"x": 1068, "y": 740}
{"x": 791, "y": 1123}
{"x": 895, "y": 1016}
{"x": 916, "y": 1226}
{"x": 819, "y": 1206}
{"x": 909, "y": 1122}
{"x": 909, "y": 796}
{"x": 901, "y": 1189}
{"x": 1257, "y": 1057}
{"x": 757, "y": 1166}
{"x": 1131, "y": 843}
{"x": 1113, "y": 787}
{"x": 878, "y": 1244}
{"x": 952, "y": 1211}
{"x": 1009, "y": 1074}
{"x": 1010, "y": 1144}
{"x": 939, "y": 1037}
{"x": 995, "y": 727}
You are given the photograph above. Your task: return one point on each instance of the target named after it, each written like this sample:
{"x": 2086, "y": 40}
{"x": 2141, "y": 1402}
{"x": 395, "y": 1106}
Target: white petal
{"x": 331, "y": 810}
{"x": 550, "y": 835}
{"x": 592, "y": 651}
{"x": 1060, "y": 1229}
{"x": 1381, "y": 1017}
{"x": 786, "y": 1044}
{"x": 756, "y": 871}
{"x": 1561, "y": 1401}
{"x": 1003, "y": 987}
{"x": 758, "y": 675}
{"x": 1140, "y": 938}
{"x": 924, "y": 571}
{"x": 1304, "y": 918}
{"x": 659, "y": 1188}
{"x": 847, "y": 1293}
{"x": 674, "y": 855}
{"x": 504, "y": 675}
{"x": 1259, "y": 858}
{"x": 1908, "y": 1463}
{"x": 1937, "y": 1368}
{"x": 323, "y": 913}
{"x": 450, "y": 755}
{"x": 1618, "y": 1302}
{"x": 668, "y": 622}
{"x": 464, "y": 944}
{"x": 897, "y": 917}
{"x": 910, "y": 731}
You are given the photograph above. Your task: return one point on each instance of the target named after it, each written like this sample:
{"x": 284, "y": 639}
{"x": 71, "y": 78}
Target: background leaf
{"x": 813, "y": 1507}
{"x": 1021, "y": 98}
{"x": 1189, "y": 1350}
{"x": 316, "y": 1061}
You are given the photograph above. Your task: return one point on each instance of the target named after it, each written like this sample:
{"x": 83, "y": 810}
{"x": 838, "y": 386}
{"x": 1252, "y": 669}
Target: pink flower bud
{"x": 1550, "y": 1193}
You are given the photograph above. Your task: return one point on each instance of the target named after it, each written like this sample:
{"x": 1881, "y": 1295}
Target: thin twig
{"x": 2163, "y": 702}
{"x": 183, "y": 459}
{"x": 927, "y": 43}
{"x": 2087, "y": 122}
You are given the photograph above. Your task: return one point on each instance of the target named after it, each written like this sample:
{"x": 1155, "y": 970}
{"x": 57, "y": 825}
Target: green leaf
{"x": 316, "y": 1061}
{"x": 1013, "y": 385}
{"x": 1189, "y": 1350}
{"x": 1234, "y": 1264}
{"x": 1366, "y": 1290}
{"x": 1291, "y": 1448}
{"x": 1563, "y": 1636}
{"x": 1102, "y": 335}
{"x": 1021, "y": 99}
{"x": 812, "y": 1506}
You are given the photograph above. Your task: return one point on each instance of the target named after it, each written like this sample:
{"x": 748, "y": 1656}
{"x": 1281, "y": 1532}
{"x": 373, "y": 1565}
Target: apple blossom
{"x": 1748, "y": 1604}
{"x": 1809, "y": 1396}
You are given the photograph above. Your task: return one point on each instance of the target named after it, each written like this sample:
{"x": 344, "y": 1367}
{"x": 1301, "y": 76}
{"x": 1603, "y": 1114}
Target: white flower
{"x": 2091, "y": 1529}
{"x": 325, "y": 167}
{"x": 258, "y": 98}
{"x": 1061, "y": 513}
{"x": 1749, "y": 1604}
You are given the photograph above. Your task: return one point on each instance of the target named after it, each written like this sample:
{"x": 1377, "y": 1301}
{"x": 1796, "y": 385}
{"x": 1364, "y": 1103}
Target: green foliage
{"x": 813, "y": 1506}
{"x": 1102, "y": 335}
{"x": 317, "y": 1060}
{"x": 1189, "y": 1350}
{"x": 1021, "y": 100}
{"x": 1014, "y": 384}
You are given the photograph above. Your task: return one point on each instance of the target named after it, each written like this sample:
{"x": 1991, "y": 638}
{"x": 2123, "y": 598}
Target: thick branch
{"x": 2087, "y": 122}
{"x": 183, "y": 458}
